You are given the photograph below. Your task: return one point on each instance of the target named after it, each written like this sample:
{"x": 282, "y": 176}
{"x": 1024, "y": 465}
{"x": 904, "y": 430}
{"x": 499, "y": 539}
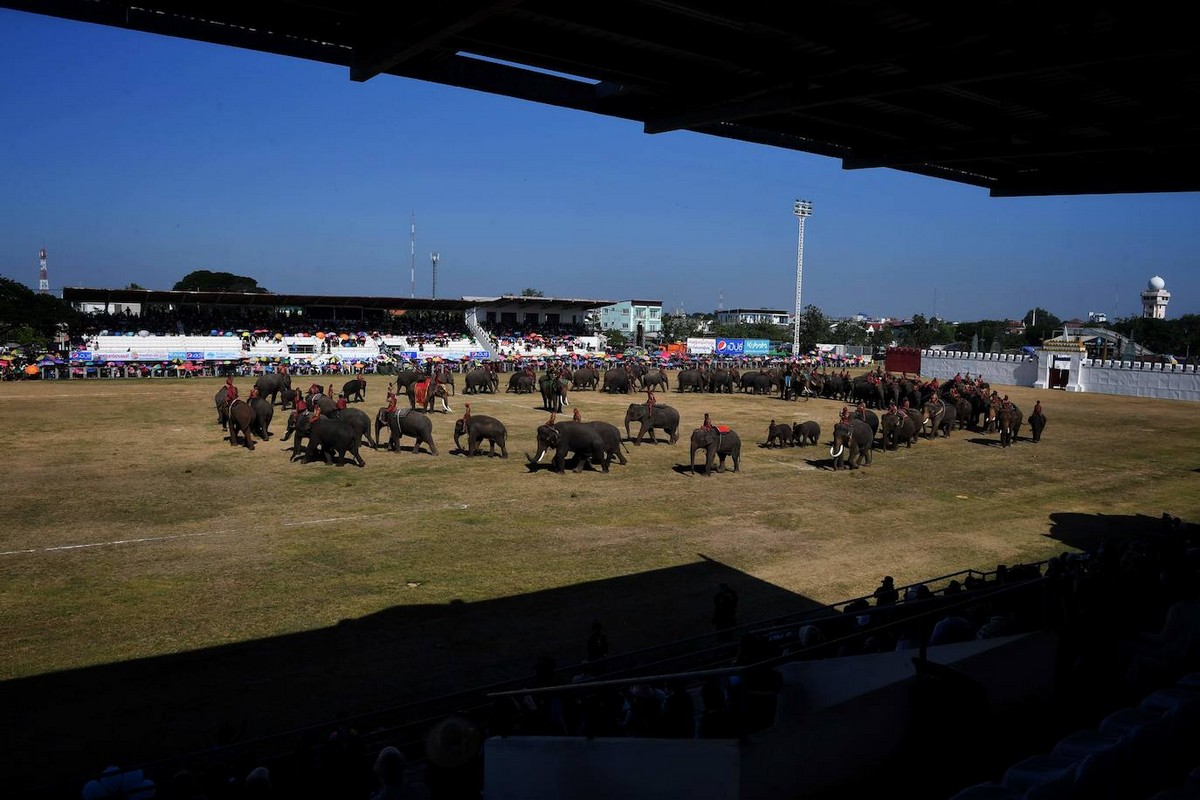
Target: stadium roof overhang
{"x": 74, "y": 294}
{"x": 1020, "y": 97}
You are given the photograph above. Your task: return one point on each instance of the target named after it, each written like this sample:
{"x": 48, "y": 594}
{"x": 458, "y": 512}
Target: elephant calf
{"x": 477, "y": 428}
{"x": 778, "y": 435}
{"x": 805, "y": 433}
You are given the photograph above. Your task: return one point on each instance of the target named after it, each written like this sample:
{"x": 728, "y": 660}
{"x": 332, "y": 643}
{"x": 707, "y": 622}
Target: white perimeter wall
{"x": 1131, "y": 378}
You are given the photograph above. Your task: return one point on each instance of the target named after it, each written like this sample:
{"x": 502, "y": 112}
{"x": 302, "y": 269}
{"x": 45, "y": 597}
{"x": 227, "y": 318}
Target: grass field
{"x": 162, "y": 581}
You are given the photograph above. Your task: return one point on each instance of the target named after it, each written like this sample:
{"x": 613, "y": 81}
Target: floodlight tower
{"x": 43, "y": 274}
{"x": 803, "y": 210}
{"x": 435, "y": 258}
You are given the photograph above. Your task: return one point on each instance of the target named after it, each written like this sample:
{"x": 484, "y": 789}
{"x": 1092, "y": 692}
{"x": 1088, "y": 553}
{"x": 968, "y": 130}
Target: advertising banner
{"x": 222, "y": 355}
{"x": 701, "y": 347}
{"x": 730, "y": 347}
{"x": 81, "y": 355}
{"x": 481, "y": 355}
{"x": 758, "y": 347}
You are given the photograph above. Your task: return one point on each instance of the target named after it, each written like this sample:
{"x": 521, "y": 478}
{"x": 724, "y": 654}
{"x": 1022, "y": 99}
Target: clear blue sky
{"x": 138, "y": 158}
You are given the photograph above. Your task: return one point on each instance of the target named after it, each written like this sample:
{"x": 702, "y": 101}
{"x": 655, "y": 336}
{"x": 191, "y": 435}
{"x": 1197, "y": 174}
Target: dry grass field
{"x": 157, "y": 583}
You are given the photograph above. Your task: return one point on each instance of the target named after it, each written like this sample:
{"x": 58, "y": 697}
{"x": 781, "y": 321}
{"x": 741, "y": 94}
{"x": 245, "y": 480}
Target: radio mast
{"x": 43, "y": 275}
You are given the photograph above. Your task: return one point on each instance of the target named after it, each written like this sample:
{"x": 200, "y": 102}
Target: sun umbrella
{"x": 32, "y": 370}
{"x": 320, "y": 334}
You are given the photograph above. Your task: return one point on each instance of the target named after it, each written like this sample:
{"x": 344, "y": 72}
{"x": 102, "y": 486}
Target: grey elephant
{"x": 333, "y": 437}
{"x": 611, "y": 436}
{"x": 355, "y": 390}
{"x": 851, "y": 445}
{"x": 585, "y": 378}
{"x": 269, "y": 386}
{"x": 664, "y": 417}
{"x": 1037, "y": 423}
{"x": 899, "y": 428}
{"x": 480, "y": 380}
{"x": 616, "y": 380}
{"x": 579, "y": 438}
{"x": 690, "y": 380}
{"x": 806, "y": 433}
{"x": 716, "y": 444}
{"x": 520, "y": 383}
{"x": 264, "y": 412}
{"x": 478, "y": 427}
{"x": 778, "y": 434}
{"x": 405, "y": 422}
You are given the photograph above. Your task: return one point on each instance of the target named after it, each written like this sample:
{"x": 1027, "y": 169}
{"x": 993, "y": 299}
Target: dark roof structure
{"x": 1018, "y": 97}
{"x": 76, "y": 294}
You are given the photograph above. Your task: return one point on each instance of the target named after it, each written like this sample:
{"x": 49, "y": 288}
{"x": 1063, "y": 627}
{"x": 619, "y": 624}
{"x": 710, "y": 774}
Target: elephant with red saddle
{"x": 717, "y": 443}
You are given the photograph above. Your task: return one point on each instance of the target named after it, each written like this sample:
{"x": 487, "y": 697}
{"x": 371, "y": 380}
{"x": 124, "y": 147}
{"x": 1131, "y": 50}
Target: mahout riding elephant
{"x": 778, "y": 435}
{"x": 933, "y": 415}
{"x": 616, "y": 380}
{"x": 264, "y": 412}
{"x": 611, "y": 436}
{"x": 432, "y": 393}
{"x": 520, "y": 383}
{"x": 1037, "y": 424}
{"x": 899, "y": 428}
{"x": 355, "y": 390}
{"x": 299, "y": 426}
{"x": 868, "y": 391}
{"x": 654, "y": 378}
{"x": 664, "y": 417}
{"x": 805, "y": 433}
{"x": 405, "y": 422}
{"x": 333, "y": 437}
{"x": 716, "y": 444}
{"x": 554, "y": 392}
{"x": 240, "y": 417}
{"x": 480, "y": 380}
{"x": 690, "y": 379}
{"x": 478, "y": 427}
{"x": 852, "y": 444}
{"x": 580, "y": 438}
{"x": 585, "y": 378}
{"x": 272, "y": 384}
{"x": 1008, "y": 421}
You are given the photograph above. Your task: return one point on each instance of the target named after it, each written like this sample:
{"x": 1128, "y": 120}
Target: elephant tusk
{"x": 838, "y": 454}
{"x": 541, "y": 455}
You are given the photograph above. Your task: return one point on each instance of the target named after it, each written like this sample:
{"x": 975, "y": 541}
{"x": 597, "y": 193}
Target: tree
{"x": 135, "y": 286}
{"x": 616, "y": 339}
{"x": 203, "y": 280}
{"x": 532, "y": 293}
{"x": 851, "y": 332}
{"x": 1039, "y": 325}
{"x": 30, "y": 318}
{"x": 814, "y": 328}
{"x": 677, "y": 328}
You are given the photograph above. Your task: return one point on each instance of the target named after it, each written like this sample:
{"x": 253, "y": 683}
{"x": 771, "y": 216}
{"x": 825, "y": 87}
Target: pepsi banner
{"x": 730, "y": 347}
{"x": 482, "y": 355}
{"x": 81, "y": 355}
{"x": 758, "y": 347}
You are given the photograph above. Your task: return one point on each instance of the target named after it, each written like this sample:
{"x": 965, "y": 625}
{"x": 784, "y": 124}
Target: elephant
{"x": 870, "y": 417}
{"x": 480, "y": 380}
{"x": 720, "y": 380}
{"x": 852, "y": 444}
{"x": 447, "y": 379}
{"x": 1008, "y": 420}
{"x": 899, "y": 428}
{"x": 222, "y": 406}
{"x": 654, "y": 378}
{"x": 355, "y": 390}
{"x": 332, "y": 436}
{"x": 554, "y": 392}
{"x": 778, "y": 435}
{"x": 1037, "y": 424}
{"x": 426, "y": 398}
{"x": 240, "y": 417}
{"x": 520, "y": 383}
{"x": 405, "y": 422}
{"x": 664, "y": 417}
{"x": 360, "y": 421}
{"x": 272, "y": 384}
{"x": 288, "y": 398}
{"x": 616, "y": 380}
{"x": 611, "y": 436}
{"x": 716, "y": 444}
{"x": 937, "y": 416}
{"x": 690, "y": 379}
{"x": 868, "y": 391}
{"x": 580, "y": 438}
{"x": 477, "y": 428}
{"x": 585, "y": 378}
{"x": 758, "y": 383}
{"x": 264, "y": 412}
{"x": 962, "y": 412}
{"x": 806, "y": 433}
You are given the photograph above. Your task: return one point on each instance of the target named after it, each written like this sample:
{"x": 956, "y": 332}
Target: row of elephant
{"x": 340, "y": 433}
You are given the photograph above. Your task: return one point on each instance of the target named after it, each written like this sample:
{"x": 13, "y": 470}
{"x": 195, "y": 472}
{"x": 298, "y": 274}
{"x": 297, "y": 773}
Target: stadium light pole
{"x": 803, "y": 210}
{"x": 435, "y": 258}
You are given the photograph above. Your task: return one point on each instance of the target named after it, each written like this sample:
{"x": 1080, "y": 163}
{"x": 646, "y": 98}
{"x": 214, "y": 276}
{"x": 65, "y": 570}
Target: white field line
{"x": 147, "y": 539}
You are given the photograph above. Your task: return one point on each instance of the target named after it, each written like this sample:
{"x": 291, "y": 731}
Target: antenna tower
{"x": 43, "y": 274}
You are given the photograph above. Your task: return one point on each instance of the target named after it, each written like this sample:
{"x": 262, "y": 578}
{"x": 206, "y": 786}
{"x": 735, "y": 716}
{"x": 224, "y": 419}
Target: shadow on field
{"x": 1089, "y": 531}
{"x": 67, "y": 726}
{"x": 985, "y": 442}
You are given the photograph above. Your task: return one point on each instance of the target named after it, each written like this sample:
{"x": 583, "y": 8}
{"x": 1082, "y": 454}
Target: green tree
{"x": 617, "y": 340}
{"x": 30, "y": 318}
{"x": 677, "y": 328}
{"x": 527, "y": 292}
{"x": 135, "y": 286}
{"x": 1039, "y": 325}
{"x": 203, "y": 280}
{"x": 852, "y": 332}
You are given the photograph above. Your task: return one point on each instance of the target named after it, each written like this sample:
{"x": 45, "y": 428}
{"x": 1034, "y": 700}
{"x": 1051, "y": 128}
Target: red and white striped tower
{"x": 43, "y": 275}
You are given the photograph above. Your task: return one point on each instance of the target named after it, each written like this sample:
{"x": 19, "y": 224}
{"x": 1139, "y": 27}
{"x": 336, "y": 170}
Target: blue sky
{"x": 139, "y": 158}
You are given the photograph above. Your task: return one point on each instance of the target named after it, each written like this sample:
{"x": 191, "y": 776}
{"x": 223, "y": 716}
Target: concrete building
{"x": 1155, "y": 299}
{"x": 752, "y": 316}
{"x": 632, "y": 317}
{"x": 512, "y": 312}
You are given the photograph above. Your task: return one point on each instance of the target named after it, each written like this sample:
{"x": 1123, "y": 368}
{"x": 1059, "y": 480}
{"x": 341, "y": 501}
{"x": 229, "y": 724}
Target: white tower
{"x": 1155, "y": 299}
{"x": 43, "y": 275}
{"x": 803, "y": 210}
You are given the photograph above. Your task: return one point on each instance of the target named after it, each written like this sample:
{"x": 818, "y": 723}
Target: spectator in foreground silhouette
{"x": 725, "y": 603}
